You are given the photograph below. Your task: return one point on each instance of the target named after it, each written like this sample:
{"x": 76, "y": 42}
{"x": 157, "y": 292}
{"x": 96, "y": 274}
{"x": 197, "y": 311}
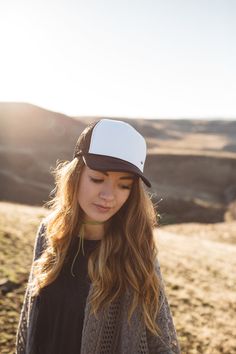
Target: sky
{"x": 121, "y": 58}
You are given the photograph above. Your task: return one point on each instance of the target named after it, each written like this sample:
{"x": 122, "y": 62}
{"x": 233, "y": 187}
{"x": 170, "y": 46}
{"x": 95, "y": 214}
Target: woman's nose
{"x": 107, "y": 193}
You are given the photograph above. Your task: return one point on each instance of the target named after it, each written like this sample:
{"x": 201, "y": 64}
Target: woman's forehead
{"x": 117, "y": 174}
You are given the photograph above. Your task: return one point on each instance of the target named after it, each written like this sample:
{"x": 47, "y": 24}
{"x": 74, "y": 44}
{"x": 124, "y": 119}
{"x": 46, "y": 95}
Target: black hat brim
{"x": 108, "y": 163}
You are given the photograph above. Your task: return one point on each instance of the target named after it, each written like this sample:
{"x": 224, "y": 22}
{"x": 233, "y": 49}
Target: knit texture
{"x": 109, "y": 331}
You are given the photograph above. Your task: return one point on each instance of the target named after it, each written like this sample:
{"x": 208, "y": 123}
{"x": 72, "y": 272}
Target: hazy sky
{"x": 124, "y": 58}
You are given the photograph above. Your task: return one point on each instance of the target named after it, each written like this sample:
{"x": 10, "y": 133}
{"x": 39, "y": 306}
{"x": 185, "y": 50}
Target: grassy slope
{"x": 198, "y": 272}
{"x": 200, "y": 280}
{"x": 18, "y": 226}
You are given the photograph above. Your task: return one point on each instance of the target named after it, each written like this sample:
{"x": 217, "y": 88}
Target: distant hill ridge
{"x": 192, "y": 163}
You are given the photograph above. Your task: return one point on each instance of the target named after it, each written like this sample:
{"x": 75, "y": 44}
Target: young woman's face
{"x": 102, "y": 194}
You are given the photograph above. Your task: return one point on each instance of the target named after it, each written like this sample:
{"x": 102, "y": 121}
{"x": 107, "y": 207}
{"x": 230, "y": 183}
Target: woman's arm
{"x": 167, "y": 343}
{"x": 21, "y": 336}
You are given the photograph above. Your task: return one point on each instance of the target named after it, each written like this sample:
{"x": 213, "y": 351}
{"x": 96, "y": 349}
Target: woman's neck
{"x": 93, "y": 231}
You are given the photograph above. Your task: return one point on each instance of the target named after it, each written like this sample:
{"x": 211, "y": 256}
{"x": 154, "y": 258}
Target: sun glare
{"x": 70, "y": 59}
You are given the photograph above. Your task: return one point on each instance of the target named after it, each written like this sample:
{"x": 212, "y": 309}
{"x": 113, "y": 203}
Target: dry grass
{"x": 224, "y": 232}
{"x": 198, "y": 265}
{"x": 18, "y": 225}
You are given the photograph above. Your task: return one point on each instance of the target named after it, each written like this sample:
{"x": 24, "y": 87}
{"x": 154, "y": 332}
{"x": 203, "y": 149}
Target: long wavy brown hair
{"x": 126, "y": 256}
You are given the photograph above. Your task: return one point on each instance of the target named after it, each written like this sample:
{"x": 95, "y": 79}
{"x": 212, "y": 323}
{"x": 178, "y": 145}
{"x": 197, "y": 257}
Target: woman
{"x": 95, "y": 285}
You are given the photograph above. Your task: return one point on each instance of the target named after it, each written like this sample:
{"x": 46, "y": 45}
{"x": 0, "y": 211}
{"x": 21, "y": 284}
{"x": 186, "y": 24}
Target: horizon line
{"x": 217, "y": 118}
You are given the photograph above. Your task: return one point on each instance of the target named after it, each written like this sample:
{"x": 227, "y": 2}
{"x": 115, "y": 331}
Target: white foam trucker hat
{"x": 114, "y": 145}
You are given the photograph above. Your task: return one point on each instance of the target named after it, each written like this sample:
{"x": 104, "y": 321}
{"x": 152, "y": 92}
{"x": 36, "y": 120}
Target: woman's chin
{"x": 97, "y": 218}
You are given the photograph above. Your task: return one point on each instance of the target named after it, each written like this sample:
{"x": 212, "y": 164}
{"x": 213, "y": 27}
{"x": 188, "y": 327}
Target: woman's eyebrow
{"x": 122, "y": 177}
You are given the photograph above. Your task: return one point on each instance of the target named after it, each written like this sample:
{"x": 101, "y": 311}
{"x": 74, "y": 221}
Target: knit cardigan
{"x": 109, "y": 331}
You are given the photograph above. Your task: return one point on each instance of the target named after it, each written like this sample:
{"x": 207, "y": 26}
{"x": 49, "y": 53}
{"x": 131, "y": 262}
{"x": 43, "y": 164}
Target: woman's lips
{"x": 101, "y": 208}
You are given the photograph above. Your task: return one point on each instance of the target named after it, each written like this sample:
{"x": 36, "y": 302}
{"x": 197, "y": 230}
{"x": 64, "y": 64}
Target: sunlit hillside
{"x": 198, "y": 266}
{"x": 191, "y": 163}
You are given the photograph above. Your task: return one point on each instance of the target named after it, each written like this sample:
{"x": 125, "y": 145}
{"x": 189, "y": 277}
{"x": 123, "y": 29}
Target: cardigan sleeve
{"x": 167, "y": 343}
{"x": 21, "y": 335}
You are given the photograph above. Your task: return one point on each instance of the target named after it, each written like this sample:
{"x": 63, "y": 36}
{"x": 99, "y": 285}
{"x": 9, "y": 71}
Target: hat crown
{"x": 120, "y": 140}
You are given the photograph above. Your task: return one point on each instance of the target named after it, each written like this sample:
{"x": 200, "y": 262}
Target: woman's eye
{"x": 126, "y": 187}
{"x": 96, "y": 180}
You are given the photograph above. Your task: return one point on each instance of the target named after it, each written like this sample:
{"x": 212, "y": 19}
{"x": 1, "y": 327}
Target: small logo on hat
{"x": 141, "y": 162}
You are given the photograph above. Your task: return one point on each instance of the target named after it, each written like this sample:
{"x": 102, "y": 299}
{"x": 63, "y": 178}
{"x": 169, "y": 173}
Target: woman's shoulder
{"x": 42, "y": 227}
{"x": 41, "y": 238}
{"x": 48, "y": 218}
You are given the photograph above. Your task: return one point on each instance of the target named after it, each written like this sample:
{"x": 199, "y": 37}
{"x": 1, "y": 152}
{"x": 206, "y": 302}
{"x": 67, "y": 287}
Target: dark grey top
{"x": 61, "y": 304}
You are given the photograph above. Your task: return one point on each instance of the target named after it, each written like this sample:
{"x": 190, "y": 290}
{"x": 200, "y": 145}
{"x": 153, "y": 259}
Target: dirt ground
{"x": 198, "y": 265}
